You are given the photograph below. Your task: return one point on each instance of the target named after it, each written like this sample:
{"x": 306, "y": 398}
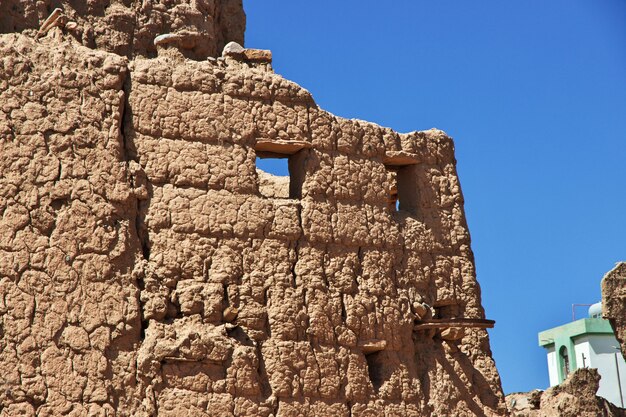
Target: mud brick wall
{"x": 148, "y": 268}
{"x": 69, "y": 311}
{"x": 303, "y": 288}
{"x": 614, "y": 301}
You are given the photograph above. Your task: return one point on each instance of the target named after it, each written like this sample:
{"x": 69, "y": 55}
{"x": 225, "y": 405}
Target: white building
{"x": 587, "y": 343}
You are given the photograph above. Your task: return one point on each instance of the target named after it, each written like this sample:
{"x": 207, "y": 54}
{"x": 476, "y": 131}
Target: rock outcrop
{"x": 575, "y": 397}
{"x": 147, "y": 268}
{"x": 614, "y": 302}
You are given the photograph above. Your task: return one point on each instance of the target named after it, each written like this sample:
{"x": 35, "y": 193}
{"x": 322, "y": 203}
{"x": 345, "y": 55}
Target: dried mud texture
{"x": 147, "y": 268}
{"x": 128, "y": 27}
{"x": 614, "y": 302}
{"x": 575, "y": 397}
{"x": 69, "y": 307}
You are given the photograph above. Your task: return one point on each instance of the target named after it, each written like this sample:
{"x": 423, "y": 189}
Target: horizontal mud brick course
{"x": 198, "y": 165}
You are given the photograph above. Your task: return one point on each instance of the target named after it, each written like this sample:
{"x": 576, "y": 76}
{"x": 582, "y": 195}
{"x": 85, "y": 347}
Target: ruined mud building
{"x": 147, "y": 268}
{"x": 614, "y": 302}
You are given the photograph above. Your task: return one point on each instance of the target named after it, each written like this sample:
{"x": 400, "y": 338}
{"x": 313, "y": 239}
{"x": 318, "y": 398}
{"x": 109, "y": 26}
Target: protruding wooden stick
{"x": 179, "y": 359}
{"x": 373, "y": 345}
{"x": 454, "y": 322}
{"x": 49, "y": 23}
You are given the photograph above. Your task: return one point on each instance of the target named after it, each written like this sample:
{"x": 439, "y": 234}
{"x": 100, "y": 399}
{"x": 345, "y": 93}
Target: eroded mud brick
{"x": 149, "y": 268}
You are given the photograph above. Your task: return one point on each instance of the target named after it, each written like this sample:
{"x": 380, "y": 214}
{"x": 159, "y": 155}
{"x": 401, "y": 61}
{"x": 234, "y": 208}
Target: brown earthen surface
{"x": 147, "y": 268}
{"x": 575, "y": 397}
{"x": 129, "y": 27}
{"x": 614, "y": 301}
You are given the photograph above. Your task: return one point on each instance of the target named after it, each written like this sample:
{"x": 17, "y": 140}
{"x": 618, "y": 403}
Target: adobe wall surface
{"x": 128, "y": 27}
{"x": 614, "y": 302}
{"x": 69, "y": 307}
{"x": 145, "y": 269}
{"x": 575, "y": 397}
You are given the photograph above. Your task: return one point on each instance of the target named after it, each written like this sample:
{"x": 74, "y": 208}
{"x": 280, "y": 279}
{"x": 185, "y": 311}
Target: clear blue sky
{"x": 534, "y": 94}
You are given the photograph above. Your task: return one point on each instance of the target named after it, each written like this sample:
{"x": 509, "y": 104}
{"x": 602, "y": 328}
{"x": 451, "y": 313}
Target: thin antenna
{"x": 574, "y": 309}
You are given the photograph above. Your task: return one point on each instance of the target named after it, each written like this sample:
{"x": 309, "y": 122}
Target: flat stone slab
{"x": 281, "y": 146}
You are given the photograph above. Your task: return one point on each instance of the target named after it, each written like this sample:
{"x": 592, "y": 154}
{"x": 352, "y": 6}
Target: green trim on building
{"x": 575, "y": 328}
{"x": 563, "y": 336}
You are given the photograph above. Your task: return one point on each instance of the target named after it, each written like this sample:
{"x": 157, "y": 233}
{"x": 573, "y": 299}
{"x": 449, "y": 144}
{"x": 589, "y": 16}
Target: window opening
{"x": 403, "y": 192}
{"x": 280, "y": 176}
{"x": 564, "y": 361}
{"x": 375, "y": 369}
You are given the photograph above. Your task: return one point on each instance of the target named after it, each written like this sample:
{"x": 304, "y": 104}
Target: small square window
{"x": 280, "y": 176}
{"x": 403, "y": 189}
